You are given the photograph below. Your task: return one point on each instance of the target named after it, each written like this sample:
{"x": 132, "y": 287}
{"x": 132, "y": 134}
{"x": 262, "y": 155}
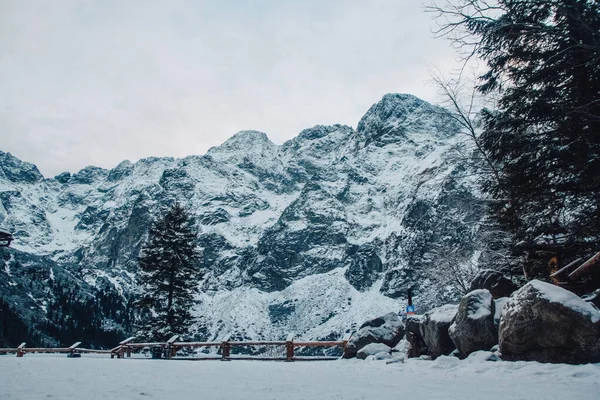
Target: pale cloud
{"x": 97, "y": 82}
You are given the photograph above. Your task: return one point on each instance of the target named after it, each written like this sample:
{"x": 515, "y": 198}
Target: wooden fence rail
{"x": 170, "y": 348}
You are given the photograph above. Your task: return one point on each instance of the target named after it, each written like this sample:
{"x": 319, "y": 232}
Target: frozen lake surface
{"x": 54, "y": 376}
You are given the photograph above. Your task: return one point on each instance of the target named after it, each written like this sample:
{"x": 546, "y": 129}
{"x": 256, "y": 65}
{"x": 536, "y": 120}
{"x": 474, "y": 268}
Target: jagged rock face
{"x": 546, "y": 323}
{"x": 367, "y": 210}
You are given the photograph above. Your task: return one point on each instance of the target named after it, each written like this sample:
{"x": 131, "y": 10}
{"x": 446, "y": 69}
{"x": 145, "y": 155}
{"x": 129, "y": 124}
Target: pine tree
{"x": 168, "y": 277}
{"x": 543, "y": 59}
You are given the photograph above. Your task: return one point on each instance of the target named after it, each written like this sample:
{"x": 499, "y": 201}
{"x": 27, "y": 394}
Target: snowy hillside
{"x": 313, "y": 236}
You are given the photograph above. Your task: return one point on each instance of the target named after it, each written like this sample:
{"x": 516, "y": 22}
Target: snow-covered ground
{"x": 44, "y": 377}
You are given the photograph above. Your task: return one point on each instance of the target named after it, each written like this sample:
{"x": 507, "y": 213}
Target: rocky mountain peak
{"x": 243, "y": 145}
{"x": 398, "y": 114}
{"x": 16, "y": 170}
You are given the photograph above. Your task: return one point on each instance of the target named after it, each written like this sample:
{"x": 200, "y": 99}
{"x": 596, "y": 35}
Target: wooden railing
{"x": 170, "y": 348}
{"x": 73, "y": 349}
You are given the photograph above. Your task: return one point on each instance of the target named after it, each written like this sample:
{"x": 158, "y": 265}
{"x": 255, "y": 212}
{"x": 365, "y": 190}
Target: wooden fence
{"x": 170, "y": 348}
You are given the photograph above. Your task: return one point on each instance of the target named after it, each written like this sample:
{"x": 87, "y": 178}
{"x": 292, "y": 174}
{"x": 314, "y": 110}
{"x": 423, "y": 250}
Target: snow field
{"x": 44, "y": 377}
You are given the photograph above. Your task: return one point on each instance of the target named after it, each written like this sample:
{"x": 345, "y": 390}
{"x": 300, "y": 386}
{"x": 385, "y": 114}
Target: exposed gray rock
{"x": 435, "y": 330}
{"x": 545, "y": 323}
{"x": 364, "y": 266}
{"x": 495, "y": 282}
{"x": 473, "y": 327}
{"x": 414, "y": 336}
{"x": 387, "y": 329}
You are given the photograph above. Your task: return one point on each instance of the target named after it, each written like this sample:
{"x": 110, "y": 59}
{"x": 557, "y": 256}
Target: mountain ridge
{"x": 365, "y": 210}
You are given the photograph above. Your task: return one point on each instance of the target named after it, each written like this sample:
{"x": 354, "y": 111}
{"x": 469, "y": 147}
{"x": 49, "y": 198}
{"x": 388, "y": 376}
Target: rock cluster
{"x": 387, "y": 330}
{"x": 539, "y": 322}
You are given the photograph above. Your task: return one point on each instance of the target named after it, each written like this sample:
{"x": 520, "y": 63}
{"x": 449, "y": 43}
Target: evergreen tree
{"x": 168, "y": 277}
{"x": 543, "y": 59}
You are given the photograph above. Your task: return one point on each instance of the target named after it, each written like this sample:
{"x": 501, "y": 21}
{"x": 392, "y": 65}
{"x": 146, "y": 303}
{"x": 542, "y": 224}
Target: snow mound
{"x": 556, "y": 294}
{"x": 443, "y": 314}
{"x": 482, "y": 299}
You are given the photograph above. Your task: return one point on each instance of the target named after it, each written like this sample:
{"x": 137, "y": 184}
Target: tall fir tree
{"x": 168, "y": 277}
{"x": 543, "y": 59}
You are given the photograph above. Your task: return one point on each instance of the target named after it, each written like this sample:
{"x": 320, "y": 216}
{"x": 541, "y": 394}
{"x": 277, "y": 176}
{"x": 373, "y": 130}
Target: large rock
{"x": 414, "y": 336}
{"x": 373, "y": 349}
{"x": 473, "y": 327}
{"x": 546, "y": 323}
{"x": 495, "y": 282}
{"x": 388, "y": 330}
{"x": 435, "y": 326}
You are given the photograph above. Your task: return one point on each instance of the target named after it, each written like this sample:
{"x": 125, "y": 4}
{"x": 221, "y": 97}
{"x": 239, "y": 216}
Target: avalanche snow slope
{"x": 41, "y": 377}
{"x": 315, "y": 235}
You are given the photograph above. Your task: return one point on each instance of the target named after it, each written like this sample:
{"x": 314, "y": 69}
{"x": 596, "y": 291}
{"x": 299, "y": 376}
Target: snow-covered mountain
{"x": 313, "y": 236}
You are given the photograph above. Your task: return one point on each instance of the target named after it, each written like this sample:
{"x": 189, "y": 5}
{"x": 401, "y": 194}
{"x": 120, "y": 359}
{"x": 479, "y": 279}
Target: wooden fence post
{"x": 345, "y": 341}
{"x": 289, "y": 347}
{"x": 20, "y": 350}
{"x": 225, "y": 347}
{"x": 120, "y": 349}
{"x": 171, "y": 349}
{"x": 72, "y": 350}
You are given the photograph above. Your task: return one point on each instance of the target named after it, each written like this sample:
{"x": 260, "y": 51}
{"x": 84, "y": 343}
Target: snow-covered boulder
{"x": 372, "y": 350}
{"x": 435, "y": 330}
{"x": 387, "y": 329}
{"x": 495, "y": 282}
{"x": 473, "y": 327}
{"x": 545, "y": 323}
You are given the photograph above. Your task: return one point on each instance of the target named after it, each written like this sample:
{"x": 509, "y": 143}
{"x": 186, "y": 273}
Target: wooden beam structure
{"x": 583, "y": 268}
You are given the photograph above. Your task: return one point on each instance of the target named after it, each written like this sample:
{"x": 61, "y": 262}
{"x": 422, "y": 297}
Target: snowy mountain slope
{"x": 314, "y": 235}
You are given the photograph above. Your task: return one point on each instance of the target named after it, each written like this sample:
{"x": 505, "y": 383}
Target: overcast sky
{"x": 96, "y": 82}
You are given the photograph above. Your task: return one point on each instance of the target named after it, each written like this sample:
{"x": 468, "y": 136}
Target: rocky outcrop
{"x": 546, "y": 323}
{"x": 473, "y": 327}
{"x": 435, "y": 327}
{"x": 387, "y": 330}
{"x": 495, "y": 282}
{"x": 364, "y": 266}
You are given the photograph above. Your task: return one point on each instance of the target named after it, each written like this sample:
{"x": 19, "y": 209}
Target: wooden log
{"x": 46, "y": 350}
{"x": 74, "y": 345}
{"x": 319, "y": 344}
{"x": 93, "y": 351}
{"x": 149, "y": 344}
{"x": 565, "y": 268}
{"x": 259, "y": 343}
{"x": 594, "y": 261}
{"x": 129, "y": 339}
{"x": 197, "y": 344}
{"x": 173, "y": 339}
